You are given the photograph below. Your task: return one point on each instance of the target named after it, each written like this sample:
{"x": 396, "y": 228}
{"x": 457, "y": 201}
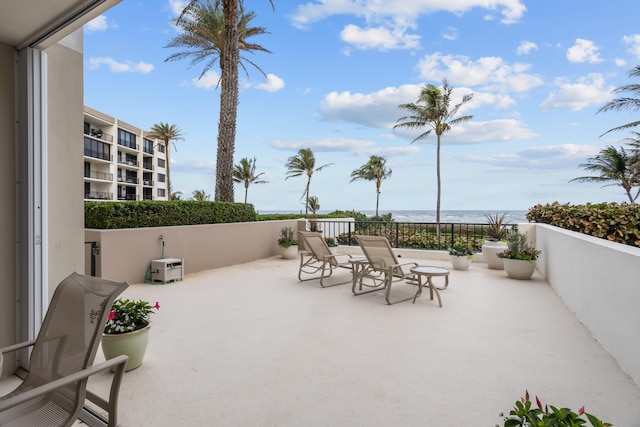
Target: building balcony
{"x": 98, "y": 155}
{"x": 98, "y": 195}
{"x": 147, "y": 182}
{"x": 99, "y": 134}
{"x": 127, "y": 162}
{"x": 101, "y": 176}
{"x": 127, "y": 197}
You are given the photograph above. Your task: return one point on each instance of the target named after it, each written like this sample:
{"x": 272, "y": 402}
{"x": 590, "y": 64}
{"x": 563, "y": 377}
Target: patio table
{"x": 429, "y": 272}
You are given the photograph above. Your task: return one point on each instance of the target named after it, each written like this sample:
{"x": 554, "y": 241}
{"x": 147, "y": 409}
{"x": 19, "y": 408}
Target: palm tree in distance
{"x": 432, "y": 110}
{"x": 303, "y": 163}
{"x": 245, "y": 173}
{"x": 314, "y": 206}
{"x": 626, "y": 103}
{"x": 200, "y": 195}
{"x": 167, "y": 134}
{"x": 208, "y": 36}
{"x": 174, "y": 195}
{"x": 374, "y": 170}
{"x": 612, "y": 166}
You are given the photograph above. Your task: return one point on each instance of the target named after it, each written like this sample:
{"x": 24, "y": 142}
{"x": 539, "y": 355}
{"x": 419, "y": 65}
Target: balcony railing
{"x": 127, "y": 162}
{"x": 99, "y": 175}
{"x": 147, "y": 182}
{"x": 98, "y": 195}
{"x": 147, "y": 166}
{"x": 98, "y": 155}
{"x": 408, "y": 235}
{"x": 127, "y": 197}
{"x": 128, "y": 180}
{"x": 128, "y": 145}
{"x": 99, "y": 134}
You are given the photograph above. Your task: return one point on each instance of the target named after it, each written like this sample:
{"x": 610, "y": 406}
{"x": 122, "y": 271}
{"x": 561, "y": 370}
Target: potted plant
{"x": 524, "y": 414}
{"x": 288, "y": 244}
{"x": 494, "y": 243}
{"x": 127, "y": 330}
{"x": 461, "y": 255}
{"x": 519, "y": 257}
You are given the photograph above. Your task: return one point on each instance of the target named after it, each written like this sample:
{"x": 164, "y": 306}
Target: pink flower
{"x": 157, "y": 306}
{"x": 581, "y": 410}
{"x": 538, "y": 403}
{"x": 112, "y": 315}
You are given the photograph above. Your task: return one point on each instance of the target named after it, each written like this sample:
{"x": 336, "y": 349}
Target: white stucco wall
{"x": 600, "y": 283}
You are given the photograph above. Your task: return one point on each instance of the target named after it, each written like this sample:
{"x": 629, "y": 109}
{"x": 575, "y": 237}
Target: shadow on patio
{"x": 249, "y": 345}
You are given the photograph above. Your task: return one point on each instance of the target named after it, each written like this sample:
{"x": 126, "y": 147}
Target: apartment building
{"x": 120, "y": 162}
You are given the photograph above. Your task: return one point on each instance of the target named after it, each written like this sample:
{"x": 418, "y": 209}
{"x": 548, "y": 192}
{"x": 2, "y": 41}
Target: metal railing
{"x": 408, "y": 235}
{"x": 127, "y": 162}
{"x": 99, "y": 175}
{"x": 100, "y": 195}
{"x": 98, "y": 154}
{"x": 99, "y": 134}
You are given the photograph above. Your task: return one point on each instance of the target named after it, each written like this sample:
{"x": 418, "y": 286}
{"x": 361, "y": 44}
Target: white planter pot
{"x": 490, "y": 250}
{"x": 289, "y": 253}
{"x": 460, "y": 262}
{"x": 132, "y": 344}
{"x": 519, "y": 269}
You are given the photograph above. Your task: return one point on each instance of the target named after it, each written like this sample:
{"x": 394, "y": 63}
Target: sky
{"x": 339, "y": 69}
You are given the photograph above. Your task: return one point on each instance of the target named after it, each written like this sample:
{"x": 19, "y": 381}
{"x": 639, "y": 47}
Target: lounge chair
{"x": 54, "y": 390}
{"x": 318, "y": 261}
{"x": 383, "y": 269}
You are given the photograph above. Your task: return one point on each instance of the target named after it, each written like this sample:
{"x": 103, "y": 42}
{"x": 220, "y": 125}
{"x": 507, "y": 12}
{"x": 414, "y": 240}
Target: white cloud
{"x": 451, "y": 34}
{"x": 550, "y": 157}
{"x": 401, "y": 10}
{"x": 492, "y": 73}
{"x": 99, "y": 23}
{"x": 209, "y": 80}
{"x": 476, "y": 132}
{"x": 273, "y": 83}
{"x": 357, "y": 147}
{"x": 583, "y": 51}
{"x": 634, "y": 42}
{"x": 620, "y": 62}
{"x": 586, "y": 91}
{"x": 381, "y": 38}
{"x": 120, "y": 67}
{"x": 177, "y": 6}
{"x": 526, "y": 47}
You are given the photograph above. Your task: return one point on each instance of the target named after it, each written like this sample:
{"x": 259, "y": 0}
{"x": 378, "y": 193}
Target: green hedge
{"x": 615, "y": 222}
{"x": 111, "y": 215}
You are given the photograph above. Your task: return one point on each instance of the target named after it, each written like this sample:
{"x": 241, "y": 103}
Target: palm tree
{"x": 245, "y": 173}
{"x": 612, "y": 165}
{"x": 200, "y": 195}
{"x": 374, "y": 170}
{"x": 207, "y": 35}
{"x": 314, "y": 206}
{"x": 432, "y": 110}
{"x": 174, "y": 195}
{"x": 303, "y": 163}
{"x": 627, "y": 103}
{"x": 167, "y": 134}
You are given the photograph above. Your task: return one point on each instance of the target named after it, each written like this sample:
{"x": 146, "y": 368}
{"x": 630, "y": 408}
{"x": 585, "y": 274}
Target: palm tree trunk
{"x": 167, "y": 150}
{"x": 377, "y": 197}
{"x": 439, "y": 190}
{"x": 246, "y": 192}
{"x": 228, "y": 104}
{"x": 306, "y": 202}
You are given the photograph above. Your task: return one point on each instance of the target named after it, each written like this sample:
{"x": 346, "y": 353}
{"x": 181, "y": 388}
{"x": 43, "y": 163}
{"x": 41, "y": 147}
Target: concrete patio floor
{"x": 250, "y": 345}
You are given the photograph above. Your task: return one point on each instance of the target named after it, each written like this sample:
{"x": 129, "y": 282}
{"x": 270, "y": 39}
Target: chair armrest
{"x": 18, "y": 346}
{"x": 119, "y": 362}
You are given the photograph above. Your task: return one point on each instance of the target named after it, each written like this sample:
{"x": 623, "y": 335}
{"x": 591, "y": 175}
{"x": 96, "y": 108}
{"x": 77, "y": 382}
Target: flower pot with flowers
{"x": 524, "y": 414}
{"x": 496, "y": 231}
{"x": 127, "y": 330}
{"x": 288, "y": 243}
{"x": 461, "y": 256}
{"x": 520, "y": 257}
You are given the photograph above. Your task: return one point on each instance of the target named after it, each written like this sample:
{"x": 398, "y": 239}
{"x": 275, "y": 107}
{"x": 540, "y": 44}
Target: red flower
{"x": 157, "y": 306}
{"x": 112, "y": 315}
{"x": 581, "y": 410}
{"x": 538, "y": 403}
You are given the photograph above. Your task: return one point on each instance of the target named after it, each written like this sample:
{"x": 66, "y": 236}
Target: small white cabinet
{"x": 167, "y": 269}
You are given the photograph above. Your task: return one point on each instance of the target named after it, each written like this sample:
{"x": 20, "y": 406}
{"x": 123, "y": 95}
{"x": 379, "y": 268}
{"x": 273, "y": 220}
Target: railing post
{"x": 453, "y": 239}
{"x": 397, "y": 233}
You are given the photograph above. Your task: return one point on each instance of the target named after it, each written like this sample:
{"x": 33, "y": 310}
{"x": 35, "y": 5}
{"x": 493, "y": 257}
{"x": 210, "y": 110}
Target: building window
{"x": 160, "y": 177}
{"x": 161, "y": 192}
{"x": 161, "y": 148}
{"x": 147, "y": 146}
{"x": 127, "y": 139}
{"x": 161, "y": 163}
{"x": 97, "y": 149}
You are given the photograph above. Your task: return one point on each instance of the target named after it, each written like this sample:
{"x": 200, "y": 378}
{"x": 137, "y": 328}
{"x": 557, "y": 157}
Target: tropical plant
{"x": 519, "y": 248}
{"x": 245, "y": 173}
{"x": 525, "y": 415}
{"x": 625, "y": 103}
{"x": 209, "y": 34}
{"x": 613, "y": 166}
{"x": 168, "y": 134}
{"x": 174, "y": 195}
{"x": 128, "y": 316}
{"x": 374, "y": 170}
{"x": 200, "y": 195}
{"x": 303, "y": 163}
{"x": 331, "y": 242}
{"x": 433, "y": 110}
{"x": 287, "y": 237}
{"x": 461, "y": 249}
{"x": 496, "y": 227}
{"x": 314, "y": 206}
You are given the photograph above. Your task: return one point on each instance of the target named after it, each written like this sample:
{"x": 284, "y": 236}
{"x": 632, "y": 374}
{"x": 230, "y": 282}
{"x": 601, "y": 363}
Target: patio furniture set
{"x": 377, "y": 270}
